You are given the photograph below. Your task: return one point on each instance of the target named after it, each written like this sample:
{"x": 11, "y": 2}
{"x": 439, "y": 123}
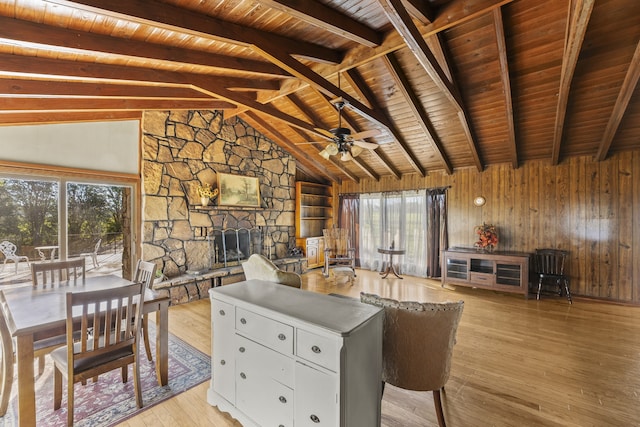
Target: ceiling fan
{"x": 345, "y": 144}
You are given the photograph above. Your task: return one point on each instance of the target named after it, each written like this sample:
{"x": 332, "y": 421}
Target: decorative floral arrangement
{"x": 205, "y": 190}
{"x": 487, "y": 235}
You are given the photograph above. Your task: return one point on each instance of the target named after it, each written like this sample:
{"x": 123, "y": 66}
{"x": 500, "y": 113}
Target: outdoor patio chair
{"x": 94, "y": 254}
{"x": 8, "y": 249}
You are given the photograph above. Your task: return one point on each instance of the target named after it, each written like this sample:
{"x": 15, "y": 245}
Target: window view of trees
{"x": 29, "y": 216}
{"x": 29, "y": 212}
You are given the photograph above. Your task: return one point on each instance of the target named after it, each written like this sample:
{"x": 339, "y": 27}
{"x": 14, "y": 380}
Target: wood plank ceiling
{"x": 441, "y": 84}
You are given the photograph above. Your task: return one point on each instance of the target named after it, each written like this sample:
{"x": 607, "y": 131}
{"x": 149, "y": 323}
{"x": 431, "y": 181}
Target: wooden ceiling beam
{"x": 320, "y": 15}
{"x": 52, "y": 88}
{"x": 32, "y": 118}
{"x": 402, "y": 145}
{"x": 418, "y": 110}
{"x": 46, "y": 68}
{"x": 579, "y": 15}
{"x": 401, "y": 20}
{"x": 357, "y": 83}
{"x": 624, "y": 96}
{"x": 285, "y": 61}
{"x": 453, "y": 13}
{"x": 421, "y": 10}
{"x": 65, "y": 39}
{"x": 111, "y": 104}
{"x": 301, "y": 157}
{"x": 122, "y": 74}
{"x": 173, "y": 18}
{"x": 506, "y": 84}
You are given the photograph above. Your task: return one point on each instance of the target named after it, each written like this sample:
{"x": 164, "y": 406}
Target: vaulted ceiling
{"x": 437, "y": 85}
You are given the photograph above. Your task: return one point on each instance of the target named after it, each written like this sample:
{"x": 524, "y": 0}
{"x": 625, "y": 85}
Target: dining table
{"x": 37, "y": 313}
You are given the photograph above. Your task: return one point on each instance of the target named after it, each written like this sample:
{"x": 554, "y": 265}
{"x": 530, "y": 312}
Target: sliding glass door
{"x": 51, "y": 218}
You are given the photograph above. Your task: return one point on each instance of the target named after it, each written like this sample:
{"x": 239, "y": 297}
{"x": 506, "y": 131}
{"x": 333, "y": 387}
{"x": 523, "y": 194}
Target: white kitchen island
{"x": 288, "y": 357}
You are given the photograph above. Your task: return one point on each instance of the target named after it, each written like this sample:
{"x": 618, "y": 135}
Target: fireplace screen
{"x": 231, "y": 246}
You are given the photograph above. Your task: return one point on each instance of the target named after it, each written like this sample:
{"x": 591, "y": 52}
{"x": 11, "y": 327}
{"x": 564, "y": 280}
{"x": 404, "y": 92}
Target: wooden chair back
{"x": 57, "y": 272}
{"x": 145, "y": 273}
{"x": 6, "y": 364}
{"x": 550, "y": 261}
{"x": 102, "y": 335}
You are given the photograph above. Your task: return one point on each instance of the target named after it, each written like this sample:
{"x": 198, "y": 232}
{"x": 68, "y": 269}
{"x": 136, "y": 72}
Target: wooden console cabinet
{"x": 288, "y": 357}
{"x": 500, "y": 271}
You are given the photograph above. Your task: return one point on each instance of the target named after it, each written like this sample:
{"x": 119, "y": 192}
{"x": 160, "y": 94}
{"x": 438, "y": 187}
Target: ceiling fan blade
{"x": 367, "y": 145}
{"x": 310, "y": 142}
{"x": 366, "y": 134}
{"x": 326, "y": 132}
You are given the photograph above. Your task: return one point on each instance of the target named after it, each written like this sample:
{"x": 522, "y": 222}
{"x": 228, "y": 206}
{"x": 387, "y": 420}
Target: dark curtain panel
{"x": 349, "y": 218}
{"x": 437, "y": 235}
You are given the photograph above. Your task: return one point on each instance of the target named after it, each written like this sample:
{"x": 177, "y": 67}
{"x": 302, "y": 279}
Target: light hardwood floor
{"x": 517, "y": 362}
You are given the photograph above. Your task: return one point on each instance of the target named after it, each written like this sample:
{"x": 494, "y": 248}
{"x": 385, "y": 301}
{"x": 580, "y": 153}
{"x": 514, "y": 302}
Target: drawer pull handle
{"x": 282, "y": 337}
{"x": 243, "y": 376}
{"x": 223, "y": 362}
{"x": 243, "y": 321}
{"x": 282, "y": 399}
{"x": 241, "y": 349}
{"x": 222, "y": 313}
{"x": 316, "y": 349}
{"x": 315, "y": 418}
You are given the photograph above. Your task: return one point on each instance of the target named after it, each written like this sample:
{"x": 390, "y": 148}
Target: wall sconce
{"x": 479, "y": 201}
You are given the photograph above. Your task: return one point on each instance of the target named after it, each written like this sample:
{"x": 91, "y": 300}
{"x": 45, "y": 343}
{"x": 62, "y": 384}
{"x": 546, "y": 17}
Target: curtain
{"x": 436, "y": 233}
{"x": 349, "y": 218}
{"x": 411, "y": 220}
{"x": 370, "y": 231}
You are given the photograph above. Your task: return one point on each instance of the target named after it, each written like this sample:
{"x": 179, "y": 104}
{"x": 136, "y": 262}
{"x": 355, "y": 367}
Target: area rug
{"x": 109, "y": 401}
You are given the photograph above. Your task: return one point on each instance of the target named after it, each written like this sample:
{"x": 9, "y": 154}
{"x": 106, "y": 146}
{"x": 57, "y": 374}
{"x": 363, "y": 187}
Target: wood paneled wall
{"x": 590, "y": 208}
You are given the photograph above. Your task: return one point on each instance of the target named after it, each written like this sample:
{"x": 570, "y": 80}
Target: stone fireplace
{"x": 186, "y": 148}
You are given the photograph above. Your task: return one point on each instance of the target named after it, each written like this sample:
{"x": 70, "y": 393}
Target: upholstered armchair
{"x": 417, "y": 344}
{"x": 260, "y": 267}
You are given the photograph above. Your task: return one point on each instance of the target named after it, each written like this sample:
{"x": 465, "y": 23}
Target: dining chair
{"x": 417, "y": 344}
{"x": 6, "y": 364}
{"x": 54, "y": 273}
{"x": 145, "y": 273}
{"x": 9, "y": 249}
{"x": 57, "y": 272}
{"x": 113, "y": 343}
{"x": 549, "y": 265}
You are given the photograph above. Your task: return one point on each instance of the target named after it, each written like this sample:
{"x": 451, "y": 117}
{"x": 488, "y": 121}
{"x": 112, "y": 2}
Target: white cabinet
{"x": 287, "y": 357}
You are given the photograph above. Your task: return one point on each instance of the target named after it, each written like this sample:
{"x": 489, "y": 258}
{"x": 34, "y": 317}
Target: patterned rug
{"x": 109, "y": 401}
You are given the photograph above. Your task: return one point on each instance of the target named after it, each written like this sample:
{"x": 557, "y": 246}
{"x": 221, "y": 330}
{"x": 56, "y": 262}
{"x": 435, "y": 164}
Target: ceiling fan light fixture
{"x": 356, "y": 150}
{"x": 346, "y": 156}
{"x": 324, "y": 154}
{"x": 332, "y": 149}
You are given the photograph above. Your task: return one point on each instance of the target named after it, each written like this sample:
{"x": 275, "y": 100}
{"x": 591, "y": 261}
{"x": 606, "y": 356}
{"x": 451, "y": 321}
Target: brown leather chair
{"x": 418, "y": 344}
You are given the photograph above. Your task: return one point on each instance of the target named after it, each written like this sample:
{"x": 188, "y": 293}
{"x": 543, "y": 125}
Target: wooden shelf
{"x": 314, "y": 213}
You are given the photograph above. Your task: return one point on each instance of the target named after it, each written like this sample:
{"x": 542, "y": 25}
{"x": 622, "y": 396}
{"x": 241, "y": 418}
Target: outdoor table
{"x": 42, "y": 249}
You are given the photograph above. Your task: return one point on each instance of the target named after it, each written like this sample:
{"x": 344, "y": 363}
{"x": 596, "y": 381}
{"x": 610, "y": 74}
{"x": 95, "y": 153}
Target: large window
{"x": 52, "y": 217}
{"x": 398, "y": 220}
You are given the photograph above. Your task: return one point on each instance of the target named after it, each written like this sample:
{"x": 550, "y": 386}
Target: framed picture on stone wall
{"x": 238, "y": 190}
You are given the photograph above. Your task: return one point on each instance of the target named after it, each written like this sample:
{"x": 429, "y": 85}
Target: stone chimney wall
{"x": 182, "y": 149}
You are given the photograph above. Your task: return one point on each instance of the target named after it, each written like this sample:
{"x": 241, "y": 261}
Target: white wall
{"x": 106, "y": 146}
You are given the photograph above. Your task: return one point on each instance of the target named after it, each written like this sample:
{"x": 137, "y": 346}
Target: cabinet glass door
{"x": 508, "y": 274}
{"x": 457, "y": 268}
